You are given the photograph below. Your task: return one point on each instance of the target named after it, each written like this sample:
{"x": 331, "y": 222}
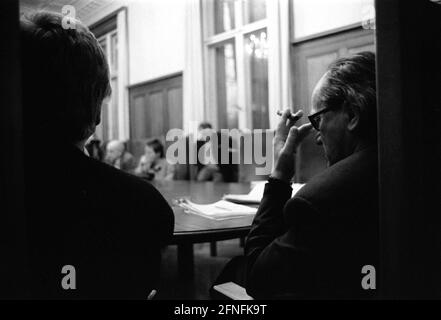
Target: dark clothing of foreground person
{"x": 108, "y": 224}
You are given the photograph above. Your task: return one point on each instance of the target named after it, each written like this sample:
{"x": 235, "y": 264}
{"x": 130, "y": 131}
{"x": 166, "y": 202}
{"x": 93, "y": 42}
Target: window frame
{"x": 116, "y": 22}
{"x": 237, "y": 35}
{"x": 110, "y": 129}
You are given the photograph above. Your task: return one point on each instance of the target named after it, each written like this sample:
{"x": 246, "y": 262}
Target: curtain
{"x": 193, "y": 79}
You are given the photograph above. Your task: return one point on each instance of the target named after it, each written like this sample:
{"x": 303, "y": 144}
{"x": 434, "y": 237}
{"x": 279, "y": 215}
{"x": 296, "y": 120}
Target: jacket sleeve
{"x": 150, "y": 232}
{"x": 163, "y": 220}
{"x": 279, "y": 252}
{"x": 268, "y": 222}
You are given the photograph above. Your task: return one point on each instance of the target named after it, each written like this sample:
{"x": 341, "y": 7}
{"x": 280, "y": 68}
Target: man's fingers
{"x": 303, "y": 131}
{"x": 294, "y": 117}
{"x": 288, "y": 119}
{"x": 285, "y": 114}
{"x": 296, "y": 136}
{"x": 282, "y": 130}
{"x": 290, "y": 144}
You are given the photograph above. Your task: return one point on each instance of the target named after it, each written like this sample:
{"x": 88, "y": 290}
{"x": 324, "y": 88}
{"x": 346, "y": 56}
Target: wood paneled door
{"x": 155, "y": 108}
{"x": 310, "y": 60}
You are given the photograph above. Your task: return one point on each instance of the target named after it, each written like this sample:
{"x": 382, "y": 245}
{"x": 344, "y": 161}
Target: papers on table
{"x": 219, "y": 210}
{"x": 232, "y": 205}
{"x": 253, "y": 197}
{"x": 256, "y": 193}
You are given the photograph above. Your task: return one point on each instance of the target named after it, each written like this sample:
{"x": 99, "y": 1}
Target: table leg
{"x": 185, "y": 260}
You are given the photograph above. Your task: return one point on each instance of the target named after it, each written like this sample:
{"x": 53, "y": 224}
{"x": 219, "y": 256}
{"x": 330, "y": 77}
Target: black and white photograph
{"x": 212, "y": 157}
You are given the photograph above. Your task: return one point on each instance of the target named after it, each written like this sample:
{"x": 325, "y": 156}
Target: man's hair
{"x": 65, "y": 77}
{"x": 350, "y": 83}
{"x": 157, "y": 146}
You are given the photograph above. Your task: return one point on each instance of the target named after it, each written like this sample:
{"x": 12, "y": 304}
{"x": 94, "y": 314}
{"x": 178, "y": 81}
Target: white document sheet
{"x": 219, "y": 210}
{"x": 256, "y": 193}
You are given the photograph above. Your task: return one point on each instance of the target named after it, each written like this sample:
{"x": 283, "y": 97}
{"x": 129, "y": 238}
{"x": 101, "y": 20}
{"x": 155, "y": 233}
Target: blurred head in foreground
{"x": 65, "y": 78}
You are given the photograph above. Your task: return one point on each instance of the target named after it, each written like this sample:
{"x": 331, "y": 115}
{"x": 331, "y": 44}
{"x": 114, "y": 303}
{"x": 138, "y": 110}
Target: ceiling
{"x": 84, "y": 8}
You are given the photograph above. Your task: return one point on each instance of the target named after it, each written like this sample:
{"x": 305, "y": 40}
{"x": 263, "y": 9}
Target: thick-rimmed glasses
{"x": 316, "y": 118}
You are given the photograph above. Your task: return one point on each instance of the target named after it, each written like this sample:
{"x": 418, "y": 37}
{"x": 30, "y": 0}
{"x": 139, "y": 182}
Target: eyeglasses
{"x": 316, "y": 118}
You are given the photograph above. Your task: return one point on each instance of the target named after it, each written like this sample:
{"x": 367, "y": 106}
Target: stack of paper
{"x": 219, "y": 210}
{"x": 256, "y": 194}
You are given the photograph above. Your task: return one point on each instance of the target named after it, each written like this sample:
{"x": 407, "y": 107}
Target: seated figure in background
{"x": 214, "y": 170}
{"x": 205, "y": 172}
{"x": 153, "y": 165}
{"x": 118, "y": 157}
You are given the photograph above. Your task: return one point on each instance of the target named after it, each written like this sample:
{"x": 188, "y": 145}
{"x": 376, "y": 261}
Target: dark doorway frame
{"x": 13, "y": 278}
{"x": 408, "y": 35}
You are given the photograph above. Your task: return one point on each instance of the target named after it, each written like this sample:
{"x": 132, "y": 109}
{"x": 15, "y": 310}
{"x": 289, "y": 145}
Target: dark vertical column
{"x": 12, "y": 218}
{"x": 409, "y": 103}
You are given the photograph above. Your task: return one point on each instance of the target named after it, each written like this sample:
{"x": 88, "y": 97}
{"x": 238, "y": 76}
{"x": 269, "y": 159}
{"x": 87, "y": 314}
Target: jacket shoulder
{"x": 347, "y": 182}
{"x": 110, "y": 177}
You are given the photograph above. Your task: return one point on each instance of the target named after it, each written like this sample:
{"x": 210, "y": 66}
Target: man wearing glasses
{"x": 316, "y": 244}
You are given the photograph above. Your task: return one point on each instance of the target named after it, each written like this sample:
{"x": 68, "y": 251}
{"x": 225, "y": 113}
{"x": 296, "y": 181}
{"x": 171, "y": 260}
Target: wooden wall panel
{"x": 310, "y": 61}
{"x": 155, "y": 108}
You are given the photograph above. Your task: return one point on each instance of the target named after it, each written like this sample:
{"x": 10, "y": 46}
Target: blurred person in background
{"x": 117, "y": 156}
{"x": 153, "y": 165}
{"x": 213, "y": 169}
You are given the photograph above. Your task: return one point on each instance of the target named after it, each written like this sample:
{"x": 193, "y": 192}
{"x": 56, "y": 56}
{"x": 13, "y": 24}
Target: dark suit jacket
{"x": 315, "y": 244}
{"x": 106, "y": 223}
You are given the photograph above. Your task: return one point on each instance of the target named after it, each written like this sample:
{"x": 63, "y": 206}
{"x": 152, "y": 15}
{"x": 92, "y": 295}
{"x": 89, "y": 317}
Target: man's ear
{"x": 354, "y": 118}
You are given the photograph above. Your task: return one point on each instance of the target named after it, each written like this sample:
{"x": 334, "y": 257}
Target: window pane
{"x": 103, "y": 45}
{"x": 114, "y": 53}
{"x": 256, "y": 64}
{"x": 254, "y": 10}
{"x": 102, "y": 130}
{"x": 226, "y": 86}
{"x": 223, "y": 15}
{"x": 114, "y": 106}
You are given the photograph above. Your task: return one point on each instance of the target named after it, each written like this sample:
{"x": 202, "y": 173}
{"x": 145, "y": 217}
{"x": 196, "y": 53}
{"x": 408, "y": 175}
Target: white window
{"x": 108, "y": 129}
{"x": 111, "y": 32}
{"x": 236, "y": 51}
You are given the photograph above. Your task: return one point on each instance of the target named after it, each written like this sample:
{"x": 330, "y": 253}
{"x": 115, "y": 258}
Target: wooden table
{"x": 190, "y": 228}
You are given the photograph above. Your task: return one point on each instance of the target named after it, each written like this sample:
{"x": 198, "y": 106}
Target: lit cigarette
{"x": 290, "y": 116}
